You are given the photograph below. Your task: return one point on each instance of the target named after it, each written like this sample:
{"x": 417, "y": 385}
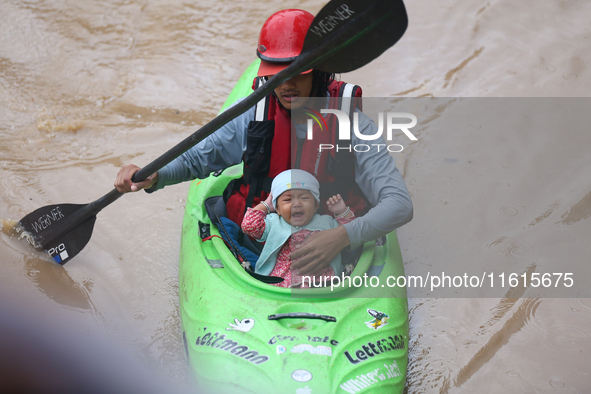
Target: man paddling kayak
{"x": 261, "y": 138}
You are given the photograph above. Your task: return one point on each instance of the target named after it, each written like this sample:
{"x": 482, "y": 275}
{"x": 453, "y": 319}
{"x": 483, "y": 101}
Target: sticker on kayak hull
{"x": 368, "y": 379}
{"x": 321, "y": 350}
{"x": 244, "y": 325}
{"x": 380, "y": 319}
{"x": 291, "y": 338}
{"x": 301, "y": 375}
{"x": 304, "y": 390}
{"x": 372, "y": 349}
{"x": 304, "y": 347}
{"x": 225, "y": 343}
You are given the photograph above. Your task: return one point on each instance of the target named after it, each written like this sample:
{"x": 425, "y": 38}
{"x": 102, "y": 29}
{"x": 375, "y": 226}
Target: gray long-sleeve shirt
{"x": 375, "y": 173}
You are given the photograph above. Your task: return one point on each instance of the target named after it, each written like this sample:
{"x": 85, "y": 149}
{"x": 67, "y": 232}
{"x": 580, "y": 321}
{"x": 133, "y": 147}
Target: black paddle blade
{"x": 365, "y": 27}
{"x": 42, "y": 229}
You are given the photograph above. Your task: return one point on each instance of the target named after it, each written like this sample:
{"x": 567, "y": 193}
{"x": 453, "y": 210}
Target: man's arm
{"x": 377, "y": 175}
{"x": 222, "y": 149}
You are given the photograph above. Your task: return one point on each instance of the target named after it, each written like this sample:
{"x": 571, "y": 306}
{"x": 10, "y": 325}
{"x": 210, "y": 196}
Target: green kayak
{"x": 246, "y": 336}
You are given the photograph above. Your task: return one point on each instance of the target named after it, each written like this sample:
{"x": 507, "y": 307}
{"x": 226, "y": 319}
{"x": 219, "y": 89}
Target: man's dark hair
{"x": 320, "y": 82}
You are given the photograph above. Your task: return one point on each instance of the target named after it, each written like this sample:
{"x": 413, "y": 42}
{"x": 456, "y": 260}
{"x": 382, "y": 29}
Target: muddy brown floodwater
{"x": 87, "y": 86}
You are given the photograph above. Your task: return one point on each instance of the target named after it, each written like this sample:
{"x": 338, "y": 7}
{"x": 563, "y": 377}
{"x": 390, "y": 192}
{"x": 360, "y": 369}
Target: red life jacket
{"x": 272, "y": 148}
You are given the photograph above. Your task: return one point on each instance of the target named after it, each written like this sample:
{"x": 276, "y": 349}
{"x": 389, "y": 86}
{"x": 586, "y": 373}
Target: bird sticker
{"x": 244, "y": 325}
{"x": 380, "y": 319}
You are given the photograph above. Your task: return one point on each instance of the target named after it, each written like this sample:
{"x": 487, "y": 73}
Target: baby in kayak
{"x": 286, "y": 219}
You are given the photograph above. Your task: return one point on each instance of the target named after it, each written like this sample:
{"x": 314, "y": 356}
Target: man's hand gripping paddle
{"x": 345, "y": 35}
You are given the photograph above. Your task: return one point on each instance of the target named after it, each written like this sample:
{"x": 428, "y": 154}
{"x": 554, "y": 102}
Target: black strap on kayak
{"x": 302, "y": 315}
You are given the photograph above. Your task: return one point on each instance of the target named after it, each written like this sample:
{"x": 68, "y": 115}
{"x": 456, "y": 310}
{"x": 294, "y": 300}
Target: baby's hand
{"x": 336, "y": 205}
{"x": 269, "y": 202}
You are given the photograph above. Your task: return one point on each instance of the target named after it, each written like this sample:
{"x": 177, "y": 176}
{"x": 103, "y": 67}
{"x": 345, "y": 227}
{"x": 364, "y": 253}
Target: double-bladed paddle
{"x": 365, "y": 28}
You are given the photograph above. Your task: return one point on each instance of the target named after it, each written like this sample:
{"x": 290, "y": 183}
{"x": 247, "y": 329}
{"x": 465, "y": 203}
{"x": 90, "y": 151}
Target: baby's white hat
{"x": 294, "y": 179}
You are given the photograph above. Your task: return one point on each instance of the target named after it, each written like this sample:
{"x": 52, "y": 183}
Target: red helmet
{"x": 281, "y": 40}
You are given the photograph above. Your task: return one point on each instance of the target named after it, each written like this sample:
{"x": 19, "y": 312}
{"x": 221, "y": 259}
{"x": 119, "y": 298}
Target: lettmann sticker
{"x": 372, "y": 349}
{"x": 223, "y": 342}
